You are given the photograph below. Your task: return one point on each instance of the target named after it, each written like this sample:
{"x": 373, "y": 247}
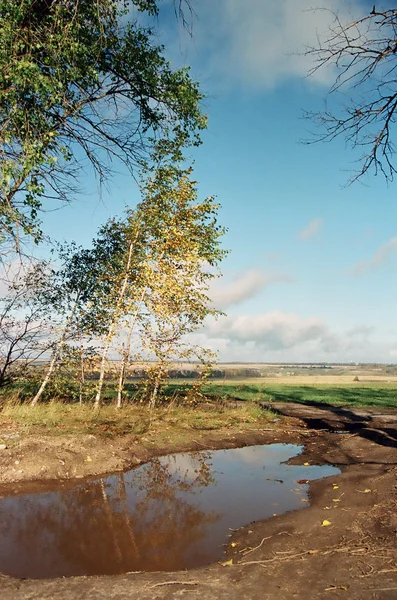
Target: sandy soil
{"x": 293, "y": 556}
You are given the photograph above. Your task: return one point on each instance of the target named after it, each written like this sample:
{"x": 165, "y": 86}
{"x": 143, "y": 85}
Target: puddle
{"x": 172, "y": 513}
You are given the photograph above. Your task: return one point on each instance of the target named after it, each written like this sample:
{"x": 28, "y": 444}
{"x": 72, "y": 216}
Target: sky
{"x": 310, "y": 276}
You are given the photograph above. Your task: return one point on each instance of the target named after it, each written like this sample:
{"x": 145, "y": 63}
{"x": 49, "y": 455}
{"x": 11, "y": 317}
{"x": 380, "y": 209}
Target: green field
{"x": 373, "y": 394}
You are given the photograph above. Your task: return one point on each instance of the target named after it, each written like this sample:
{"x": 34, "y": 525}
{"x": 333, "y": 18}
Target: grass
{"x": 358, "y": 394}
{"x": 172, "y": 421}
{"x": 163, "y": 422}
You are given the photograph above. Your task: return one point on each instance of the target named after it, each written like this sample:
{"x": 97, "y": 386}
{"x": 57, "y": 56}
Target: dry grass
{"x": 59, "y": 418}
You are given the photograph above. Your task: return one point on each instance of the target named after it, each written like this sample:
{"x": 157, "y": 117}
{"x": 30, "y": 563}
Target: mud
{"x": 343, "y": 546}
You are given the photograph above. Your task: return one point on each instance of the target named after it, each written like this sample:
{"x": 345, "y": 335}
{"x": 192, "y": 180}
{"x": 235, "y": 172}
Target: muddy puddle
{"x": 175, "y": 512}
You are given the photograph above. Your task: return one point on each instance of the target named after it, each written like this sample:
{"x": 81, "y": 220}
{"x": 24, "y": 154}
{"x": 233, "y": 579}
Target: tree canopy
{"x": 82, "y": 79}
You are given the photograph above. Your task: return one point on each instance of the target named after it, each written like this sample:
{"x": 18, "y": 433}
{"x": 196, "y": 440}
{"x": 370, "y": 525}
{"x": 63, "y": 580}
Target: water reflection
{"x": 172, "y": 513}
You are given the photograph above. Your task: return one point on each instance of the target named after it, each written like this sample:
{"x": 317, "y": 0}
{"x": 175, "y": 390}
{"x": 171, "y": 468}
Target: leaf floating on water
{"x": 227, "y": 563}
{"x": 302, "y": 481}
{"x": 326, "y": 523}
{"x": 304, "y": 500}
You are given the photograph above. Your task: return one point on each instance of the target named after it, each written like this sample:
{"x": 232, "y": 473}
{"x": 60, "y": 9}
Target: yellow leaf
{"x": 335, "y": 487}
{"x": 227, "y": 563}
{"x": 89, "y": 459}
{"x": 233, "y": 544}
{"x": 306, "y": 464}
{"x": 326, "y": 523}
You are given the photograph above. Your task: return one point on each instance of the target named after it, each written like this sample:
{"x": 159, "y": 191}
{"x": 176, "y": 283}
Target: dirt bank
{"x": 344, "y": 545}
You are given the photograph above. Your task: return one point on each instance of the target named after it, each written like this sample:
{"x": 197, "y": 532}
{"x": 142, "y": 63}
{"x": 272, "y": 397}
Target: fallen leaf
{"x": 227, "y": 563}
{"x": 89, "y": 459}
{"x": 335, "y": 500}
{"x": 302, "y": 481}
{"x": 336, "y": 487}
{"x": 306, "y": 464}
{"x": 233, "y": 544}
{"x": 326, "y": 523}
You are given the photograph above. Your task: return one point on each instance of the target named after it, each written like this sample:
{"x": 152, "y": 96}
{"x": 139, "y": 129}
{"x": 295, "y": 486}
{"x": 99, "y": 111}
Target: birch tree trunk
{"x": 56, "y": 354}
{"x": 111, "y": 328}
{"x": 127, "y": 351}
{"x": 124, "y": 361}
{"x": 152, "y": 401}
{"x": 82, "y": 377}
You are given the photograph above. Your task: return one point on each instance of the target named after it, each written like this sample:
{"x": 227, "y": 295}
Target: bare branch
{"x": 364, "y": 55}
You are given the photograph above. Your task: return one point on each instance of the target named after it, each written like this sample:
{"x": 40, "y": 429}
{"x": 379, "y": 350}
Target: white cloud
{"x": 311, "y": 229}
{"x": 286, "y": 337}
{"x": 377, "y": 259}
{"x": 244, "y": 286}
{"x": 274, "y": 330}
{"x": 260, "y": 43}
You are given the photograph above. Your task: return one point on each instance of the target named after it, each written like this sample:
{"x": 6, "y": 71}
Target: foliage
{"x": 81, "y": 79}
{"x": 162, "y": 257}
{"x": 362, "y": 53}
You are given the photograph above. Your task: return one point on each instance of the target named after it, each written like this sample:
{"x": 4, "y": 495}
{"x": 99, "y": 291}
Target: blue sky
{"x": 311, "y": 273}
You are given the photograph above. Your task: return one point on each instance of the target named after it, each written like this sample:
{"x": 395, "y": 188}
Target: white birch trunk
{"x": 82, "y": 377}
{"x": 56, "y": 354}
{"x": 111, "y": 329}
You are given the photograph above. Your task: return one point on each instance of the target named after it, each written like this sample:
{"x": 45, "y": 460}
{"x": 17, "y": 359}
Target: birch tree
{"x": 69, "y": 297}
{"x": 82, "y": 82}
{"x": 180, "y": 252}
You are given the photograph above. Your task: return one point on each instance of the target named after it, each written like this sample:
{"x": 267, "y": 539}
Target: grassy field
{"x": 379, "y": 393}
{"x": 173, "y": 417}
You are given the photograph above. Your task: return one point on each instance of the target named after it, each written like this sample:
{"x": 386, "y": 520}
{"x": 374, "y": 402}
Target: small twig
{"x": 280, "y": 558}
{"x": 174, "y": 583}
{"x": 388, "y": 571}
{"x": 334, "y": 588}
{"x": 244, "y": 553}
{"x": 264, "y": 539}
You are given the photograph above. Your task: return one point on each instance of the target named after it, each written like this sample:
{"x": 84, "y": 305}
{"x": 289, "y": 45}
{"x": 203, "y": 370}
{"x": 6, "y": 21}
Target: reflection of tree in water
{"x": 139, "y": 521}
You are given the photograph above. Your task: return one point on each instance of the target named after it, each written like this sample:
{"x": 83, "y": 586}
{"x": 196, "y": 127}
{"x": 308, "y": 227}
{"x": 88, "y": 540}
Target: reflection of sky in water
{"x": 174, "y": 512}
